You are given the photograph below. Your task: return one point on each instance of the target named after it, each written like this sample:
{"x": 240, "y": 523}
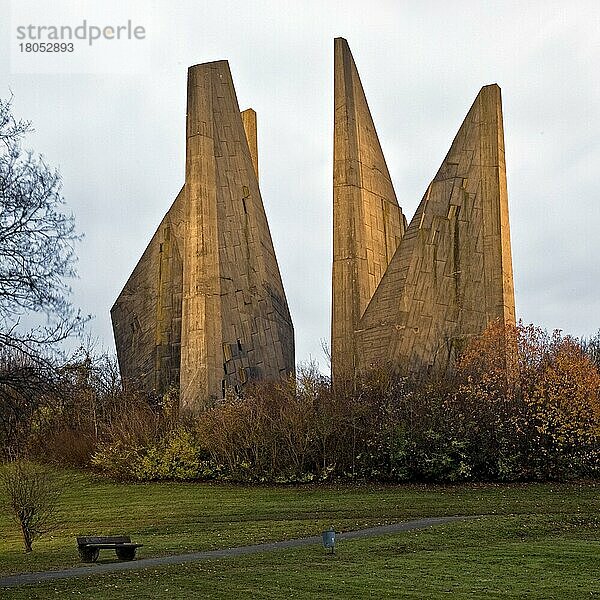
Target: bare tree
{"x": 36, "y": 243}
{"x": 36, "y": 260}
{"x": 28, "y": 386}
{"x": 32, "y": 496}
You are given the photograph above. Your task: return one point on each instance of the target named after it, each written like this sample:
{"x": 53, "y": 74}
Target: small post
{"x": 329, "y": 539}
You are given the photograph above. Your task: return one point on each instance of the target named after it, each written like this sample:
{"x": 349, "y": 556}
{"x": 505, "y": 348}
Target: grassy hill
{"x": 535, "y": 540}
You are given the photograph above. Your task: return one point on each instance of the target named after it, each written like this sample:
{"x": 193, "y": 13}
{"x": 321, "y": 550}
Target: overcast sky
{"x": 118, "y": 137}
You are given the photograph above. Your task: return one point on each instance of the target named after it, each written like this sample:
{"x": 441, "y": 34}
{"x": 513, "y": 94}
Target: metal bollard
{"x": 329, "y": 539}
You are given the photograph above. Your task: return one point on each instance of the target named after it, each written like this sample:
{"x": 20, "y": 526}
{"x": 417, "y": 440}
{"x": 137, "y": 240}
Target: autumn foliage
{"x": 520, "y": 404}
{"x": 538, "y": 396}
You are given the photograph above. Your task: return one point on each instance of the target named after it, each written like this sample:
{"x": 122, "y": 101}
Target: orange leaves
{"x": 547, "y": 380}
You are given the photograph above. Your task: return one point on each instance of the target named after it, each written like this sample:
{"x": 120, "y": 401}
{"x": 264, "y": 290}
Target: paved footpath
{"x": 180, "y": 559}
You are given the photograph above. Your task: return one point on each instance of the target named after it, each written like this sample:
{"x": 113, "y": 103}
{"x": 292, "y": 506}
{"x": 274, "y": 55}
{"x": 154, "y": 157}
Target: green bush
{"x": 175, "y": 456}
{"x": 520, "y": 405}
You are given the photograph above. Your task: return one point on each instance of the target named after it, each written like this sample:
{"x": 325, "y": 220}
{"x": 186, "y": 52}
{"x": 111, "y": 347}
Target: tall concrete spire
{"x": 367, "y": 220}
{"x": 452, "y": 274}
{"x": 206, "y": 300}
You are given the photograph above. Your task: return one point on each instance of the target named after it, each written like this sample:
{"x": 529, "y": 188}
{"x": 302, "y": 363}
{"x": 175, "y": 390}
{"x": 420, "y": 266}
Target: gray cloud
{"x": 119, "y": 139}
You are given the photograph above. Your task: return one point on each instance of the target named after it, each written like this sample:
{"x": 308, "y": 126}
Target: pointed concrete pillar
{"x": 368, "y": 223}
{"x": 236, "y": 324}
{"x": 452, "y": 274}
{"x": 205, "y": 307}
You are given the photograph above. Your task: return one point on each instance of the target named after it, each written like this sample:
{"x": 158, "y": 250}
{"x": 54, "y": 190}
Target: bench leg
{"x": 125, "y": 553}
{"x": 88, "y": 554}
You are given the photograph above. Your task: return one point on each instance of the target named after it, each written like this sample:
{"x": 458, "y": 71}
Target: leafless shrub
{"x": 32, "y": 496}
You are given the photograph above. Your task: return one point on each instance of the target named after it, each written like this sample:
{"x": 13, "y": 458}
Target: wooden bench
{"x": 89, "y": 547}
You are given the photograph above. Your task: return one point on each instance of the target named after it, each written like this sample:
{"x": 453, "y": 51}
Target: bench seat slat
{"x": 113, "y": 539}
{"x": 111, "y": 546}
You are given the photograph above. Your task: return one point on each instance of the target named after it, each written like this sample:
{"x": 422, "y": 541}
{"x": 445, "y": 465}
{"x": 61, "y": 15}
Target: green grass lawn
{"x": 536, "y": 541}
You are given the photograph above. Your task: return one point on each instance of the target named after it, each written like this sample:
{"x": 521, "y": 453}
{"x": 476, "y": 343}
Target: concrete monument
{"x": 407, "y": 298}
{"x": 205, "y": 308}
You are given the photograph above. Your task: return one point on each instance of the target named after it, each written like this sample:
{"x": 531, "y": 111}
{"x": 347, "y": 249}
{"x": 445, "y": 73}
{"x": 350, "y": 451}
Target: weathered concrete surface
{"x": 251, "y": 130}
{"x": 452, "y": 274}
{"x": 368, "y": 222}
{"x": 205, "y": 307}
{"x": 146, "y": 317}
